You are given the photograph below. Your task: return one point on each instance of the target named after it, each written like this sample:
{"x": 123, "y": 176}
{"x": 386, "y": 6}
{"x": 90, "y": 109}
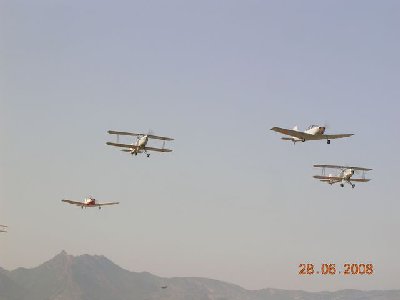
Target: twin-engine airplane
{"x": 344, "y": 176}
{"x": 89, "y": 202}
{"x": 141, "y": 143}
{"x": 3, "y": 228}
{"x": 314, "y": 132}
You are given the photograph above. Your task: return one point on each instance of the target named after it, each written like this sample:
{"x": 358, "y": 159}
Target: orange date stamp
{"x": 332, "y": 269}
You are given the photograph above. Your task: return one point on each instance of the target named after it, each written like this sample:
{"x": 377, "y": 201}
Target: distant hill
{"x": 86, "y": 277}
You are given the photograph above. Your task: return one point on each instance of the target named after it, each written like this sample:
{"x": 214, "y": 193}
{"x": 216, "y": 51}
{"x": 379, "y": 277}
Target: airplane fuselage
{"x": 89, "y": 202}
{"x": 313, "y": 129}
{"x": 345, "y": 176}
{"x": 139, "y": 145}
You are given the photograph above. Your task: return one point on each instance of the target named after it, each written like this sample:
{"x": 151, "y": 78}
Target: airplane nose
{"x": 322, "y": 130}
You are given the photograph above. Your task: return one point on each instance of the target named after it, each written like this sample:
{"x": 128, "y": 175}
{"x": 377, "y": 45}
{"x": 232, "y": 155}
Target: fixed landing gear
{"x": 353, "y": 185}
{"x": 99, "y": 207}
{"x": 148, "y": 154}
{"x": 328, "y": 141}
{"x": 342, "y": 185}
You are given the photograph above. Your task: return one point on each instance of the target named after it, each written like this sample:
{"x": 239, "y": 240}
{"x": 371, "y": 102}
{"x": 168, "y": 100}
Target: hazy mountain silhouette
{"x": 86, "y": 277}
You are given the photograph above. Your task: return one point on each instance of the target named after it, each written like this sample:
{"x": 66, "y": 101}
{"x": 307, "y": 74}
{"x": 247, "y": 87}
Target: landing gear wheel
{"x": 328, "y": 141}
{"x": 303, "y": 140}
{"x": 342, "y": 185}
{"x": 353, "y": 185}
{"x": 99, "y": 207}
{"x": 148, "y": 154}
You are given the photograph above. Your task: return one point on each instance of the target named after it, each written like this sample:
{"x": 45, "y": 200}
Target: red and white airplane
{"x": 88, "y": 202}
{"x": 313, "y": 132}
{"x": 3, "y": 228}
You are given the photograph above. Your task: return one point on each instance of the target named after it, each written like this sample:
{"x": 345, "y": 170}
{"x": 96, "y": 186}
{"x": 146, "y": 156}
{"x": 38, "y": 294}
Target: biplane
{"x": 313, "y": 132}
{"x": 3, "y": 228}
{"x": 345, "y": 175}
{"x": 140, "y": 145}
{"x": 88, "y": 202}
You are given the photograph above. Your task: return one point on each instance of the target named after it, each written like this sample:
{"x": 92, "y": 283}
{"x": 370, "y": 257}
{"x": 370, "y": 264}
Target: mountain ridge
{"x": 95, "y": 277}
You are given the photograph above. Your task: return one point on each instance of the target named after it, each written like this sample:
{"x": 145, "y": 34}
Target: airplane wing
{"x": 123, "y": 133}
{"x": 330, "y": 178}
{"x": 157, "y": 149}
{"x": 333, "y": 136}
{"x": 79, "y": 203}
{"x": 325, "y": 136}
{"x": 360, "y": 179}
{"x": 120, "y": 145}
{"x": 106, "y": 203}
{"x": 294, "y": 133}
{"x": 163, "y": 138}
{"x": 342, "y": 167}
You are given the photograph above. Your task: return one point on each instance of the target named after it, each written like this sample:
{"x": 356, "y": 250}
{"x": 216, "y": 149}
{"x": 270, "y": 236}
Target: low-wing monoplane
{"x": 313, "y": 132}
{"x": 345, "y": 175}
{"x": 140, "y": 145}
{"x": 3, "y": 228}
{"x": 88, "y": 202}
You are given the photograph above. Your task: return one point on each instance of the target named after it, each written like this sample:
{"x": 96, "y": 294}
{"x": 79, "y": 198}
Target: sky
{"x": 232, "y": 201}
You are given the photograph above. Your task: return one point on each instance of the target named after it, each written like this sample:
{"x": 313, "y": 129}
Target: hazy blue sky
{"x": 232, "y": 201}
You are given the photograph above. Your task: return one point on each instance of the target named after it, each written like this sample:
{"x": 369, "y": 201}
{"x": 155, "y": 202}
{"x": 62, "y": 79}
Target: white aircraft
{"x": 140, "y": 145}
{"x": 344, "y": 176}
{"x": 313, "y": 132}
{"x": 88, "y": 202}
{"x": 3, "y": 228}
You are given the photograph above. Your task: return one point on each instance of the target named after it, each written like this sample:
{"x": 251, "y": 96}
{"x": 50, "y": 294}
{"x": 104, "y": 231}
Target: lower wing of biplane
{"x": 134, "y": 148}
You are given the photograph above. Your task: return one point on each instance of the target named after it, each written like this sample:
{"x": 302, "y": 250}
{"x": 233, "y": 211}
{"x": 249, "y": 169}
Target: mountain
{"x": 86, "y": 277}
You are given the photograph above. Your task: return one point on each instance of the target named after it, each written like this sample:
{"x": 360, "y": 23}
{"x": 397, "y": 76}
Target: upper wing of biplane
{"x": 163, "y": 138}
{"x": 123, "y": 133}
{"x": 79, "y": 203}
{"x": 157, "y": 149}
{"x": 121, "y": 145}
{"x": 342, "y": 167}
{"x": 150, "y": 136}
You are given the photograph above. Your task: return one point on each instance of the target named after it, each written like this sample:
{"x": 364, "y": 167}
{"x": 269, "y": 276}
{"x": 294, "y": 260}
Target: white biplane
{"x": 3, "y": 228}
{"x": 313, "y": 132}
{"x": 140, "y": 145}
{"x": 344, "y": 176}
{"x": 88, "y": 202}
